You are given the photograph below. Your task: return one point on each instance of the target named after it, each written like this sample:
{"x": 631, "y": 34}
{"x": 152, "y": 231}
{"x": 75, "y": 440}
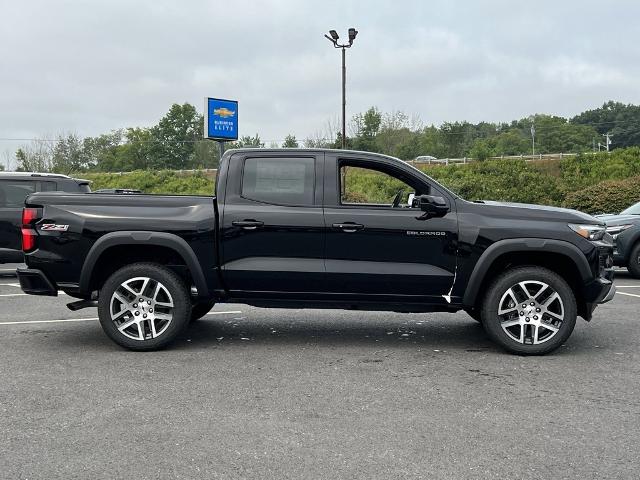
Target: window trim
{"x": 367, "y": 164}
{"x": 313, "y": 196}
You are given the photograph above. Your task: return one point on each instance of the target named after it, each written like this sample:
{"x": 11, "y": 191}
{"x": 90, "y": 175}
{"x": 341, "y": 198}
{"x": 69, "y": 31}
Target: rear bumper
{"x": 34, "y": 282}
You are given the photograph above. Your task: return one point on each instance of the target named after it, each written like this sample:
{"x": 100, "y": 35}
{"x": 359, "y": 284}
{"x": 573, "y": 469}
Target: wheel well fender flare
{"x": 169, "y": 240}
{"x": 524, "y": 245}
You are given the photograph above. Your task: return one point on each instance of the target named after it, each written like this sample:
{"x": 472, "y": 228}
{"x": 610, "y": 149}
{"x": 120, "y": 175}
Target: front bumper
{"x": 602, "y": 290}
{"x": 34, "y": 282}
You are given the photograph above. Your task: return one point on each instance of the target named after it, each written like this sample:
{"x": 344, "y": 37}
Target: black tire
{"x": 199, "y": 310}
{"x": 634, "y": 261}
{"x": 180, "y": 311}
{"x": 492, "y": 323}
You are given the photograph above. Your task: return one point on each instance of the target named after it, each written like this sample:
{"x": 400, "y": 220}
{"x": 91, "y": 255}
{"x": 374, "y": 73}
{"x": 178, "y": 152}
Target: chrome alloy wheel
{"x": 141, "y": 308}
{"x": 531, "y": 312}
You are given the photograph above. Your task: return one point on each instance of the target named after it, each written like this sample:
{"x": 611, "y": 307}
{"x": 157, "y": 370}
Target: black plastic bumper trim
{"x": 34, "y": 282}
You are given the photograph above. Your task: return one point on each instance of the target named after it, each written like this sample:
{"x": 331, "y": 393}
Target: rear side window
{"x": 14, "y": 192}
{"x": 48, "y": 187}
{"x": 286, "y": 181}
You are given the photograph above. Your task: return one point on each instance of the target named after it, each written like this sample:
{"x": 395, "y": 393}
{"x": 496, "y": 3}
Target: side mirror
{"x": 431, "y": 205}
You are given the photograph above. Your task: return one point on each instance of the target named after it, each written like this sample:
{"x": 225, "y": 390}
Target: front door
{"x": 272, "y": 225}
{"x": 378, "y": 245}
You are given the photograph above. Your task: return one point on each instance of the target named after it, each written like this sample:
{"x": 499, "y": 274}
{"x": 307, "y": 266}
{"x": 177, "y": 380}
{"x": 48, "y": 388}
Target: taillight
{"x": 29, "y": 217}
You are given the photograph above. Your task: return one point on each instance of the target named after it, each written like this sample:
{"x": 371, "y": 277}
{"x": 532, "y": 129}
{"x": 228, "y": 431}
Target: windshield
{"x": 632, "y": 210}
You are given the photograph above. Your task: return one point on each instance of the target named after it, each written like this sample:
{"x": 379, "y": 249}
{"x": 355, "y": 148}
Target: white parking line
{"x": 52, "y": 321}
{"x": 93, "y": 319}
{"x": 17, "y": 285}
{"x": 628, "y": 294}
{"x": 627, "y": 286}
{"x": 22, "y": 294}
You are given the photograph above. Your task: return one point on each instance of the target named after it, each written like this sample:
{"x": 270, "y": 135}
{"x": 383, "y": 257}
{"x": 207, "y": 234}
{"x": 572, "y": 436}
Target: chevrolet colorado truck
{"x": 298, "y": 228}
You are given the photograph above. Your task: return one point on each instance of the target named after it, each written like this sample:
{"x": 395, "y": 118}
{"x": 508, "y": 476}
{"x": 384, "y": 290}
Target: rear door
{"x": 12, "y": 196}
{"x": 272, "y": 224}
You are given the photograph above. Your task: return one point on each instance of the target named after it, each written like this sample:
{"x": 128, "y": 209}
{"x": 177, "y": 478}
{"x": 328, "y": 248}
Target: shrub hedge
{"x": 162, "y": 181}
{"x": 609, "y": 196}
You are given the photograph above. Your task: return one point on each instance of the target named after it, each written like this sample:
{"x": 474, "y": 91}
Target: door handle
{"x": 247, "y": 224}
{"x": 348, "y": 227}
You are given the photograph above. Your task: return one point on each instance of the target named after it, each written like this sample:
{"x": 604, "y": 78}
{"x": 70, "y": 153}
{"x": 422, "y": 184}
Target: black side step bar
{"x": 73, "y": 306}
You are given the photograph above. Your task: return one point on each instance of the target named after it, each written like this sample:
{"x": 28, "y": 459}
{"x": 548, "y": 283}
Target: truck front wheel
{"x": 529, "y": 310}
{"x": 144, "y": 306}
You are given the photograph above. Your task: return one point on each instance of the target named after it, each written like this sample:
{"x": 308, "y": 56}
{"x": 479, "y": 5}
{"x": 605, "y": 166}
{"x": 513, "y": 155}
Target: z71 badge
{"x": 52, "y": 227}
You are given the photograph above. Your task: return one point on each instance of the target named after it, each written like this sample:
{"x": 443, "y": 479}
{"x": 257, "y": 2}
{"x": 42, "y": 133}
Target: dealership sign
{"x": 221, "y": 119}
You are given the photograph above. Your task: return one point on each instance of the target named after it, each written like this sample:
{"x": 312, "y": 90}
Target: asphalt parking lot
{"x": 254, "y": 393}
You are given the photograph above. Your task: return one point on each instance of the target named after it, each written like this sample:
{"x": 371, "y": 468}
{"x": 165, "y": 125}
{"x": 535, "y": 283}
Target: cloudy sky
{"x": 91, "y": 66}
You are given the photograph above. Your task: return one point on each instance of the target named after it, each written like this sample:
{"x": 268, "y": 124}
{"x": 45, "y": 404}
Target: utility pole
{"x": 607, "y": 137}
{"x": 533, "y": 139}
{"x": 333, "y": 38}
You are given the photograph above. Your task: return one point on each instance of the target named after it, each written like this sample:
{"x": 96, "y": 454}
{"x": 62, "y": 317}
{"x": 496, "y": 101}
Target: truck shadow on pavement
{"x": 459, "y": 333}
{"x": 456, "y": 335}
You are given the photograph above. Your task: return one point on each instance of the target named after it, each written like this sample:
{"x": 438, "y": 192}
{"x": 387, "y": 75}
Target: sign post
{"x": 220, "y": 121}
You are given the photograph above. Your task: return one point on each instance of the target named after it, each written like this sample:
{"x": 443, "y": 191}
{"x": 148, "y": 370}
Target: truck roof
{"x": 34, "y": 175}
{"x": 308, "y": 150}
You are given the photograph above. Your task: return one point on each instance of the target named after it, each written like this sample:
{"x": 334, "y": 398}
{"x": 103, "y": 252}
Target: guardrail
{"x": 464, "y": 160}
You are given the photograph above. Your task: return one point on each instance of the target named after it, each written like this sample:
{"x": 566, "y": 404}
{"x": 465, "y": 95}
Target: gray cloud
{"x": 90, "y": 67}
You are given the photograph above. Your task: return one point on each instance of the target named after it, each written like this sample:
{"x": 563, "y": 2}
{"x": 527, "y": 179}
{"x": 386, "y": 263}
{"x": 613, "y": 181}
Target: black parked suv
{"x": 625, "y": 230}
{"x": 296, "y": 228}
{"x": 14, "y": 188}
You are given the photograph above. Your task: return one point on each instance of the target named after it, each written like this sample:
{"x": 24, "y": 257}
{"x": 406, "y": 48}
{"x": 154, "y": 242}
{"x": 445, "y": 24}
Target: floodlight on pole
{"x": 333, "y": 38}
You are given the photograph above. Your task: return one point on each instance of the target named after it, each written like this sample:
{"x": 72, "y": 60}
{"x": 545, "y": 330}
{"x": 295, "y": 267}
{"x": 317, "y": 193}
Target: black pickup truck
{"x": 318, "y": 229}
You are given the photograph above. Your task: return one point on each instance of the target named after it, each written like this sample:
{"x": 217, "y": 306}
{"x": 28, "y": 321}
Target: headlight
{"x": 590, "y": 232}
{"x": 614, "y": 230}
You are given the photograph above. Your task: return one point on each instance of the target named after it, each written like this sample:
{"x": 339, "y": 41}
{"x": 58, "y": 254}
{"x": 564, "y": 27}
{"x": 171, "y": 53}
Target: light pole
{"x": 333, "y": 38}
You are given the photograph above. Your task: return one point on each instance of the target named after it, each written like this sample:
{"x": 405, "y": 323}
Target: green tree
{"x": 621, "y": 121}
{"x": 68, "y": 155}
{"x": 290, "y": 142}
{"x": 206, "y": 154}
{"x": 248, "y": 141}
{"x": 35, "y": 157}
{"x": 174, "y": 137}
{"x": 481, "y": 150}
{"x": 367, "y": 126}
{"x": 100, "y": 153}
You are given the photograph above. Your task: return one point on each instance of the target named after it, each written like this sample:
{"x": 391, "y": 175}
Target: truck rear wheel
{"x": 634, "y": 261}
{"x": 144, "y": 306}
{"x": 529, "y": 311}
